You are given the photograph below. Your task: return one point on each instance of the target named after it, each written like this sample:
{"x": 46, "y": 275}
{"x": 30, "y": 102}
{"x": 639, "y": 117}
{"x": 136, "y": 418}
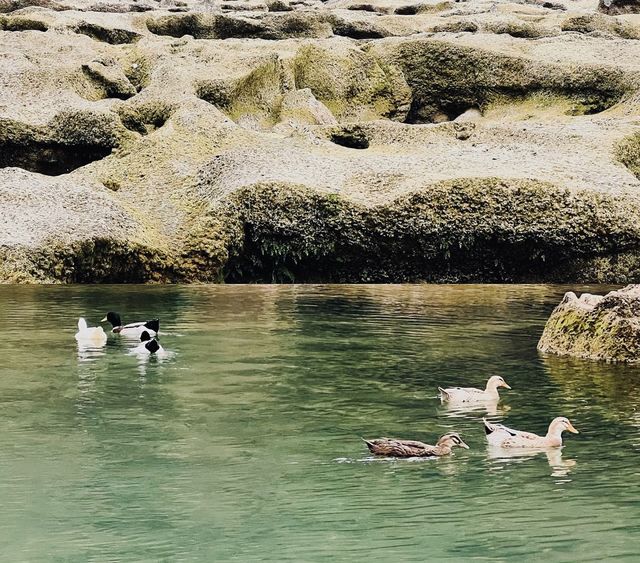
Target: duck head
{"x": 559, "y": 425}
{"x": 496, "y": 381}
{"x": 451, "y": 440}
{"x": 113, "y": 319}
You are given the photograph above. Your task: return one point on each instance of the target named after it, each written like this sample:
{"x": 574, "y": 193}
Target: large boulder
{"x": 596, "y": 327}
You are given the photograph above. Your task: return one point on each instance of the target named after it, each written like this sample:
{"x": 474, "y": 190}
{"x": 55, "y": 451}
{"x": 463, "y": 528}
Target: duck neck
{"x": 554, "y": 435}
{"x": 492, "y": 390}
{"x": 443, "y": 449}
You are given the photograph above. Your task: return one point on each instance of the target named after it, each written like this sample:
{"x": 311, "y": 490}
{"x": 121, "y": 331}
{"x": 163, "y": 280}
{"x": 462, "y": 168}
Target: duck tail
{"x": 82, "y": 324}
{"x": 443, "y": 393}
{"x": 370, "y": 444}
{"x": 488, "y": 427}
{"x": 153, "y": 325}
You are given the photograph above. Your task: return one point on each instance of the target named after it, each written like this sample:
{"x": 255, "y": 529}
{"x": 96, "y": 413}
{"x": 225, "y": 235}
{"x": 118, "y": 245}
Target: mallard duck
{"x": 134, "y": 330}
{"x": 471, "y": 394}
{"x": 391, "y": 447}
{"x": 149, "y": 345}
{"x": 90, "y": 336}
{"x": 499, "y": 435}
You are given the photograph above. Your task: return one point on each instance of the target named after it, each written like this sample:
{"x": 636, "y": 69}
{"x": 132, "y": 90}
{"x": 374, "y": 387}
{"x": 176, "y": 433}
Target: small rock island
{"x": 596, "y": 327}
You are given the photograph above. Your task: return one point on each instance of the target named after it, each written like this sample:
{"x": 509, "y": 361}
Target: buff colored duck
{"x": 501, "y": 436}
{"x": 90, "y": 336}
{"x": 471, "y": 394}
{"x": 391, "y": 447}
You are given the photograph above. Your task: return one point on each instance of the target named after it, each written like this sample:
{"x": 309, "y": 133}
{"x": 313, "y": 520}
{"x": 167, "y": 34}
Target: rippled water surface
{"x": 245, "y": 444}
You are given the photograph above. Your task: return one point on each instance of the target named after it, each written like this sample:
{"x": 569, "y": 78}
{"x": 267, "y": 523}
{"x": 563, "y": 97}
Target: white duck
{"x": 471, "y": 394}
{"x": 503, "y": 437}
{"x": 149, "y": 346}
{"x": 133, "y": 330}
{"x": 90, "y": 336}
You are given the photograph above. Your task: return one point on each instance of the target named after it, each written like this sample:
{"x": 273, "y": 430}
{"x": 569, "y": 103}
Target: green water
{"x": 244, "y": 445}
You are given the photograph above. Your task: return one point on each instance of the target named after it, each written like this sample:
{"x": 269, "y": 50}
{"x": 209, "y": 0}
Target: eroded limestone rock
{"x": 596, "y": 327}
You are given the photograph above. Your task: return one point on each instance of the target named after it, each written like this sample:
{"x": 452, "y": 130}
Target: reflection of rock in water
{"x": 610, "y": 390}
{"x": 560, "y": 467}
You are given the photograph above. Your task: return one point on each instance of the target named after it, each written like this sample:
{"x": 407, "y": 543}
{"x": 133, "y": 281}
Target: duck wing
{"x": 399, "y": 448}
{"x": 461, "y": 393}
{"x": 153, "y": 325}
{"x": 500, "y": 435}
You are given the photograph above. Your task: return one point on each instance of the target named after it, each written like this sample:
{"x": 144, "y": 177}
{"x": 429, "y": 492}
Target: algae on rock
{"x": 596, "y": 327}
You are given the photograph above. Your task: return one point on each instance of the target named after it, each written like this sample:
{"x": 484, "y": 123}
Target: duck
{"x": 133, "y": 330}
{"x": 503, "y": 437}
{"x": 471, "y": 394}
{"x": 90, "y": 336}
{"x": 391, "y": 447}
{"x": 149, "y": 345}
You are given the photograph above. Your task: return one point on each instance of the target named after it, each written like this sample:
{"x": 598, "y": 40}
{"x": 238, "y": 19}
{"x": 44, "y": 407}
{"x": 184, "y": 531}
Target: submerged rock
{"x": 596, "y": 327}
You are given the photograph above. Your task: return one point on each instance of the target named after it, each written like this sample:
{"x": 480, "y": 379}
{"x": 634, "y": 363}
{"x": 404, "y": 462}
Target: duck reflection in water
{"x": 560, "y": 467}
{"x": 89, "y": 352}
{"x": 463, "y": 410}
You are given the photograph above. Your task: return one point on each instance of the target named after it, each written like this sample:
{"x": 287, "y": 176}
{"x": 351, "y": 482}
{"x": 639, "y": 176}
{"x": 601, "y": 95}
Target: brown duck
{"x": 391, "y": 447}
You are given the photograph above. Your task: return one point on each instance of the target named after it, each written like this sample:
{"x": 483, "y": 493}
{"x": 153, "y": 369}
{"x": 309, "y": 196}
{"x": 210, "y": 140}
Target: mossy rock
{"x": 352, "y": 84}
{"x": 459, "y": 230}
{"x": 450, "y": 78}
{"x": 595, "y": 327}
{"x": 113, "y": 36}
{"x": 21, "y": 23}
{"x": 628, "y": 153}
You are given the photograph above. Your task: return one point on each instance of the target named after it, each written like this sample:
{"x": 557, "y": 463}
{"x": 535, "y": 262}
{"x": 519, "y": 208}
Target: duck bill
{"x": 463, "y": 445}
{"x": 104, "y": 320}
{"x": 505, "y": 385}
{"x": 572, "y": 429}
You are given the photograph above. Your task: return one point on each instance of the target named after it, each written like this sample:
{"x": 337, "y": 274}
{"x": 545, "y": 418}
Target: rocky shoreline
{"x": 296, "y": 140}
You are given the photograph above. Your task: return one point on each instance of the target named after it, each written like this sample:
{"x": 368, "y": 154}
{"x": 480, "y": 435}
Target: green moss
{"x": 464, "y": 230}
{"x": 113, "y": 36}
{"x": 604, "y": 331}
{"x": 21, "y": 23}
{"x": 147, "y": 117}
{"x": 351, "y": 85}
{"x": 599, "y": 23}
{"x": 628, "y": 153}
{"x": 516, "y": 28}
{"x": 449, "y": 78}
{"x": 137, "y": 67}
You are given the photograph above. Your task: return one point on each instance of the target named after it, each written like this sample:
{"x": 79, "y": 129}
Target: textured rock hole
{"x": 358, "y": 30}
{"x": 107, "y": 35}
{"x": 278, "y": 6}
{"x": 410, "y": 10}
{"x": 363, "y": 8}
{"x": 628, "y": 153}
{"x": 147, "y": 118}
{"x": 21, "y": 24}
{"x": 352, "y": 138}
{"x": 177, "y": 26}
{"x": 106, "y": 86}
{"x": 51, "y": 159}
{"x": 420, "y": 115}
{"x": 13, "y": 5}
